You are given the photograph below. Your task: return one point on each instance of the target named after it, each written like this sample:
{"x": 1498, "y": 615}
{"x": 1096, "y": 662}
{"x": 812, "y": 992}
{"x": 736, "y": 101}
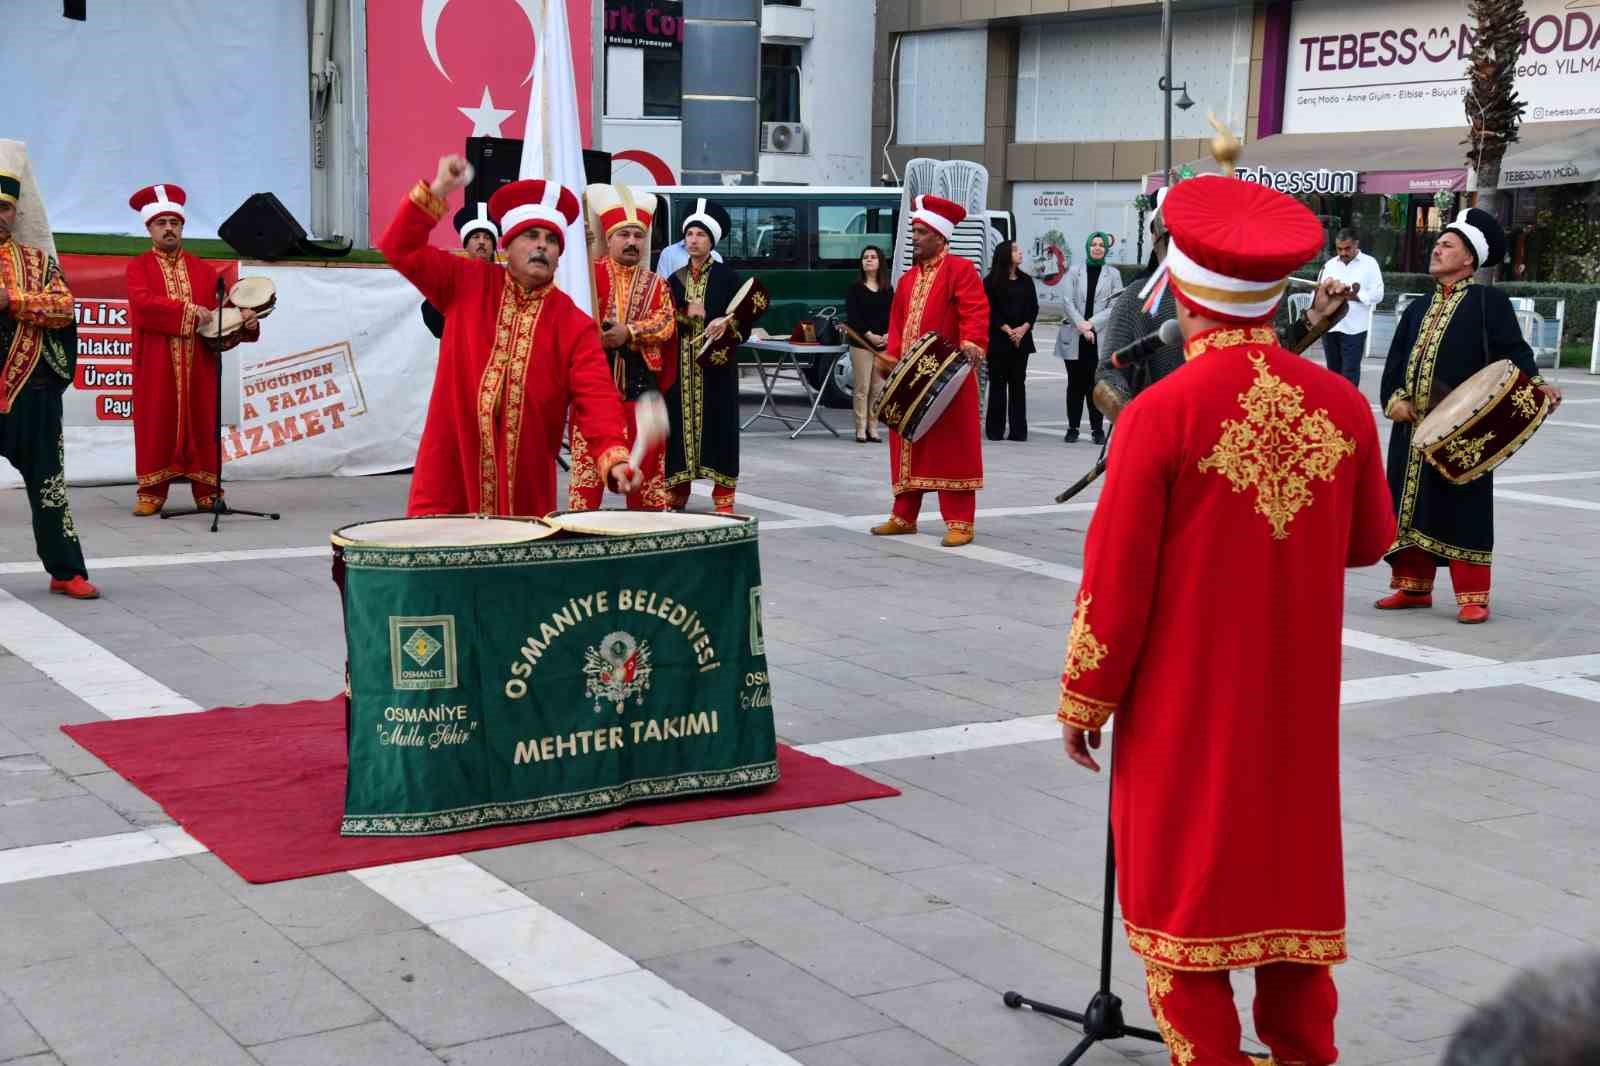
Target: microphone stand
{"x": 219, "y": 506}
{"x": 1088, "y": 479}
{"x": 1102, "y": 1018}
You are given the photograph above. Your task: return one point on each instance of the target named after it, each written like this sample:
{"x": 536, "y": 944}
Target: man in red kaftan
{"x": 516, "y": 354}
{"x": 1238, "y": 490}
{"x": 943, "y": 294}
{"x": 637, "y": 328}
{"x": 171, "y": 294}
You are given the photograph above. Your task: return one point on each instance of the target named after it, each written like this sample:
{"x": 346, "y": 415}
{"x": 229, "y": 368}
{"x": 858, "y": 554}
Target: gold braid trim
{"x": 1083, "y": 712}
{"x": 1228, "y": 338}
{"x": 422, "y": 195}
{"x": 1239, "y": 952}
{"x": 1158, "y": 983}
{"x": 608, "y": 459}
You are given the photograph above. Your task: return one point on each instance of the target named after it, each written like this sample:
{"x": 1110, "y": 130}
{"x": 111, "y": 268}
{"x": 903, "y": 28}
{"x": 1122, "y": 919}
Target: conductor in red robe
{"x": 1238, "y": 490}
{"x": 516, "y": 355}
{"x": 171, "y": 294}
{"x": 943, "y": 294}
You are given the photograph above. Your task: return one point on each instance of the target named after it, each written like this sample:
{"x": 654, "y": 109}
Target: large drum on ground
{"x": 505, "y": 670}
{"x": 1482, "y": 422}
{"x": 925, "y": 381}
{"x": 619, "y": 523}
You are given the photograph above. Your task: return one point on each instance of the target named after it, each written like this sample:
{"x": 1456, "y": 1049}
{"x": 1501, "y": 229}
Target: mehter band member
{"x": 517, "y": 353}
{"x": 1439, "y": 343}
{"x": 941, "y": 293}
{"x": 38, "y": 353}
{"x": 171, "y": 294}
{"x": 703, "y": 403}
{"x": 478, "y": 239}
{"x": 637, "y": 328}
{"x": 1209, "y": 621}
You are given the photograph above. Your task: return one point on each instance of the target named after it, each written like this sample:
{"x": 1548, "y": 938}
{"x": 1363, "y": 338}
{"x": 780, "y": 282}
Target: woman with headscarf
{"x": 1090, "y": 289}
{"x": 1013, "y": 305}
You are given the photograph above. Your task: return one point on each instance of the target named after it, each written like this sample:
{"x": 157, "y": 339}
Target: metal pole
{"x": 1166, "y": 85}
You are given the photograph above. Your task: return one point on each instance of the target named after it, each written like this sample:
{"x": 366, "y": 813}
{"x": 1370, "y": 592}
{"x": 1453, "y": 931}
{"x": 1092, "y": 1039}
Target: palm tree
{"x": 1494, "y": 111}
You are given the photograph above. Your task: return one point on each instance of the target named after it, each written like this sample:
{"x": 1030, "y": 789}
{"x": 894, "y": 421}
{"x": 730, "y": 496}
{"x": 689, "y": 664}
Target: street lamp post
{"x": 1166, "y": 88}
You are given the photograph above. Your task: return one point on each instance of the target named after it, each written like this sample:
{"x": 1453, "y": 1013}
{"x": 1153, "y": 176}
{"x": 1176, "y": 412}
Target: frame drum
{"x": 254, "y": 294}
{"x": 224, "y": 331}
{"x": 925, "y": 381}
{"x": 1482, "y": 422}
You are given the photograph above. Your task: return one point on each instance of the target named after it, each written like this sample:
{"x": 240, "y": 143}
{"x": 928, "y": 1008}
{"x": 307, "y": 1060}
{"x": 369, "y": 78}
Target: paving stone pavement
{"x": 876, "y": 934}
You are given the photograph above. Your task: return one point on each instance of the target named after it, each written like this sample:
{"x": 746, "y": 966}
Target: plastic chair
{"x": 1298, "y": 303}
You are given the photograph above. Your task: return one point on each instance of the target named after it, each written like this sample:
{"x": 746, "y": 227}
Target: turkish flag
{"x": 440, "y": 71}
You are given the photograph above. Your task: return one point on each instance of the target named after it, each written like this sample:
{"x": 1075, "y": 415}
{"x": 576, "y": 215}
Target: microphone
{"x": 1146, "y": 346}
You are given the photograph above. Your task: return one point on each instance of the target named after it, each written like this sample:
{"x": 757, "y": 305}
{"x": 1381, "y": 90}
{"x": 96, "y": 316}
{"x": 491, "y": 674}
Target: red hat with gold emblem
{"x": 153, "y": 201}
{"x": 938, "y": 214}
{"x": 1233, "y": 245}
{"x": 522, "y": 205}
{"x": 616, "y": 206}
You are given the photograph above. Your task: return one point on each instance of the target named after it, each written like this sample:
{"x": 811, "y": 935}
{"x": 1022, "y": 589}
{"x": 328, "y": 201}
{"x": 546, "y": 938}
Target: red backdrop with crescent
{"x": 485, "y": 49}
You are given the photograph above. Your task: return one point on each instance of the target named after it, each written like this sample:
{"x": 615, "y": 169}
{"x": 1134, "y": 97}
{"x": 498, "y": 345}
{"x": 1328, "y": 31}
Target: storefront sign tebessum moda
{"x": 1299, "y": 182}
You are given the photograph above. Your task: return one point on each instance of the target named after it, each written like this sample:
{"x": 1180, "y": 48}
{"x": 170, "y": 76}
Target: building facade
{"x": 816, "y": 84}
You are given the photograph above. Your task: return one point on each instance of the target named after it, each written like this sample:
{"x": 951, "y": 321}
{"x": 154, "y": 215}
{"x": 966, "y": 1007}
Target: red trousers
{"x": 1414, "y": 569}
{"x": 721, "y": 497}
{"x": 202, "y": 492}
{"x": 1294, "y": 1009}
{"x": 958, "y": 508}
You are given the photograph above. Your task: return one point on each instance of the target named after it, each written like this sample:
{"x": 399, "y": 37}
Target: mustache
{"x": 538, "y": 257}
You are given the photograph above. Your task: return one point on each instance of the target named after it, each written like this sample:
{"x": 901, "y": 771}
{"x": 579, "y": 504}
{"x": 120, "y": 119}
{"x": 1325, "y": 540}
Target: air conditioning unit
{"x": 786, "y": 137}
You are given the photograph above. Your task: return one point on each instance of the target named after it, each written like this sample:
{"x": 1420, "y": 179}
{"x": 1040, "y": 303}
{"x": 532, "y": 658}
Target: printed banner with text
{"x": 507, "y": 683}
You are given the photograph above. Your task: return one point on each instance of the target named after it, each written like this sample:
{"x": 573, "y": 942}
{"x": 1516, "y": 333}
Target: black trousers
{"x": 30, "y": 440}
{"x": 1342, "y": 353}
{"x": 1080, "y": 383}
{"x": 1008, "y": 397}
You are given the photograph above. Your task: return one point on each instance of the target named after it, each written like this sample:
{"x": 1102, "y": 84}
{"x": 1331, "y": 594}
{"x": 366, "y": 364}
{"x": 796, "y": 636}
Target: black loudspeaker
{"x": 263, "y": 228}
{"x": 497, "y": 161}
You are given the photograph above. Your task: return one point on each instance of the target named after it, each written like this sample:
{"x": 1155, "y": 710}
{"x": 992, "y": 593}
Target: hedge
{"x": 1580, "y": 298}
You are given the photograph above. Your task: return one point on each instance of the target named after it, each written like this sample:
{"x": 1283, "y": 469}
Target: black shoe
{"x": 1099, "y": 436}
{"x": 1071, "y": 437}
{"x": 1019, "y": 439}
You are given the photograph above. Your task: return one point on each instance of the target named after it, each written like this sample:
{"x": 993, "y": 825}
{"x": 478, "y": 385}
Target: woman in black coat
{"x": 1013, "y": 307}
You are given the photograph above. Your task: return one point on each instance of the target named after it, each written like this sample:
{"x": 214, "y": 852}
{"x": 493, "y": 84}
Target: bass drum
{"x": 620, "y": 523}
{"x": 1482, "y": 422}
{"x": 922, "y": 385}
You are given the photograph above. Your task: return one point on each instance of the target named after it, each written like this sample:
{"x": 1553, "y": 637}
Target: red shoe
{"x": 78, "y": 588}
{"x": 1401, "y": 600}
{"x": 1472, "y": 614}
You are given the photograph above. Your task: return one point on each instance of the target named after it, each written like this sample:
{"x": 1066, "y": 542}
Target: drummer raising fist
{"x": 516, "y": 355}
{"x": 1438, "y": 344}
{"x": 171, "y": 294}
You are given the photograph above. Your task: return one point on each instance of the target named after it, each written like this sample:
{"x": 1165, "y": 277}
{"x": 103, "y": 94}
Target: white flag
{"x": 552, "y": 147}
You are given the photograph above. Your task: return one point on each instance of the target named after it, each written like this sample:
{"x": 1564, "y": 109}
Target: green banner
{"x": 497, "y": 684}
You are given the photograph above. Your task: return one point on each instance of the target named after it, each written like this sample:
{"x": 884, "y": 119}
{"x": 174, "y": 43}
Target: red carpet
{"x": 263, "y": 788}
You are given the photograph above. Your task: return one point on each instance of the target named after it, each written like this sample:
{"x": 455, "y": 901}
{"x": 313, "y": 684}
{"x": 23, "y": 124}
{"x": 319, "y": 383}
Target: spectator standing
{"x": 1013, "y": 307}
{"x": 867, "y": 314}
{"x": 1091, "y": 288}
{"x": 1346, "y": 342}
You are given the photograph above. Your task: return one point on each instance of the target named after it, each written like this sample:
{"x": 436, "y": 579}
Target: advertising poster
{"x": 1402, "y": 64}
{"x": 1054, "y": 220}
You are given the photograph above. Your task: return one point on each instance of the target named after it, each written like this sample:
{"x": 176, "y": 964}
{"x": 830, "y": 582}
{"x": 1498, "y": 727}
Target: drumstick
{"x": 650, "y": 427}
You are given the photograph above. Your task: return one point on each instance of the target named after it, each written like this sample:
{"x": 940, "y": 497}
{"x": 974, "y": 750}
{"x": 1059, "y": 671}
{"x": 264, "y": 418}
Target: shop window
{"x": 780, "y": 83}
{"x": 663, "y": 84}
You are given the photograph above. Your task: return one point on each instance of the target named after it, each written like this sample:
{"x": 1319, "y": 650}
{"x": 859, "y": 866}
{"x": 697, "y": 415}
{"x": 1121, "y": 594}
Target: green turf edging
{"x": 109, "y": 244}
